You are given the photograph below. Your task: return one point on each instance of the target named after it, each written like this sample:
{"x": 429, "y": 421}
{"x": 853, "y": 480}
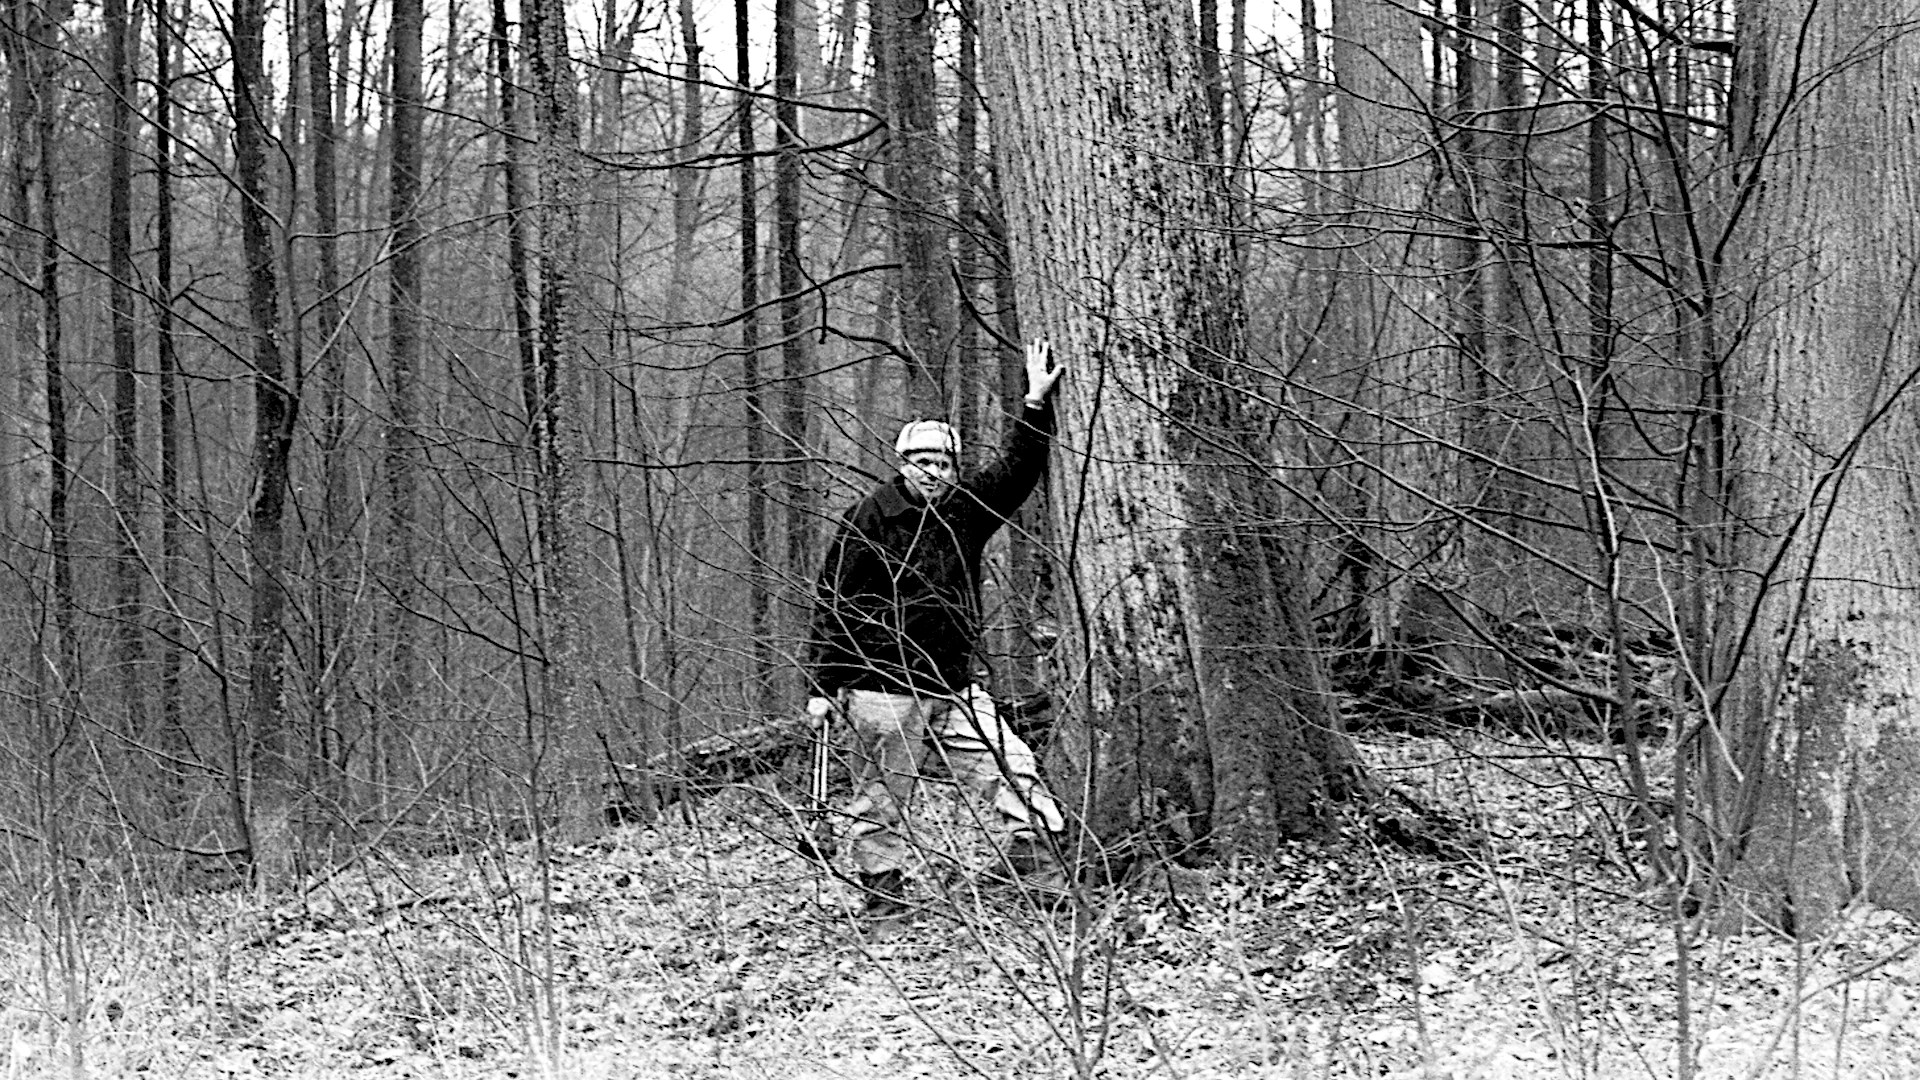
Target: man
{"x": 894, "y": 631}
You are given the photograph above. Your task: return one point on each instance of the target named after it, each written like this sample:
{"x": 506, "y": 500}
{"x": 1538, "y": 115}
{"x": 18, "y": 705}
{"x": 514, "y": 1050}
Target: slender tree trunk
{"x": 333, "y": 644}
{"x": 760, "y": 623}
{"x": 795, "y": 356}
{"x": 1409, "y": 423}
{"x": 68, "y": 656}
{"x": 1806, "y": 770}
{"x": 1212, "y": 80}
{"x": 269, "y": 818}
{"x": 977, "y": 370}
{"x": 399, "y": 697}
{"x": 903, "y": 36}
{"x": 686, "y": 180}
{"x": 1183, "y": 637}
{"x": 514, "y": 143}
{"x": 1464, "y": 185}
{"x": 1505, "y": 157}
{"x": 173, "y": 729}
{"x": 128, "y": 574}
{"x": 567, "y": 736}
{"x": 22, "y": 491}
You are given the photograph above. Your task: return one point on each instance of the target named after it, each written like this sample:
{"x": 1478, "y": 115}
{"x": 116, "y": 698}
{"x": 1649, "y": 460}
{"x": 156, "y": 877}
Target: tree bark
{"x": 128, "y": 573}
{"x": 270, "y": 807}
{"x": 1406, "y": 543}
{"x": 172, "y": 532}
{"x": 403, "y": 443}
{"x": 795, "y": 357}
{"x": 513, "y": 176}
{"x": 924, "y": 295}
{"x": 333, "y": 643}
{"x": 760, "y": 625}
{"x": 566, "y": 738}
{"x": 1201, "y": 703}
{"x": 1808, "y": 765}
{"x": 36, "y": 86}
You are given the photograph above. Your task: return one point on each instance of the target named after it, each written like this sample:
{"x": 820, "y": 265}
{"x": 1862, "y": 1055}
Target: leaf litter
{"x": 714, "y": 950}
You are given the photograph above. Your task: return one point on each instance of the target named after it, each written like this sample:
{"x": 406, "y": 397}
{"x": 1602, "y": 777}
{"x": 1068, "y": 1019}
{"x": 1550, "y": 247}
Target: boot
{"x": 886, "y": 894}
{"x": 1036, "y": 868}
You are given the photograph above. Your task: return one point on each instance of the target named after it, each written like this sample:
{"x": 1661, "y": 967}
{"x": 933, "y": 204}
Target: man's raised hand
{"x": 1042, "y": 371}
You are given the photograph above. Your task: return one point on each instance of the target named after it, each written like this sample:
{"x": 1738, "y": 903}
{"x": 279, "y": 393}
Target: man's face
{"x": 930, "y": 472}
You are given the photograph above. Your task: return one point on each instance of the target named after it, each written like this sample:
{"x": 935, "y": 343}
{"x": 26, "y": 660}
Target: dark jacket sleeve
{"x": 828, "y": 647}
{"x": 1001, "y": 487}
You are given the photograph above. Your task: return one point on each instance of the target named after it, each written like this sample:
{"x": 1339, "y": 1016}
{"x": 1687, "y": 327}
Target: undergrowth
{"x": 1529, "y": 949}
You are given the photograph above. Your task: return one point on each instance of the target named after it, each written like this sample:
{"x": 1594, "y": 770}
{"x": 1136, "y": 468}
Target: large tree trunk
{"x": 1200, "y": 705}
{"x": 1808, "y": 763}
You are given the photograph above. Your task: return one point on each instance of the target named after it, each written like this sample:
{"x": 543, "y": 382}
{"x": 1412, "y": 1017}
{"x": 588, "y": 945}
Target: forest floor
{"x": 710, "y": 949}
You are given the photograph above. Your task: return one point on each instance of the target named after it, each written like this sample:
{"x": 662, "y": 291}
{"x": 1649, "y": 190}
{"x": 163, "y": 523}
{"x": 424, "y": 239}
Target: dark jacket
{"x": 898, "y": 601}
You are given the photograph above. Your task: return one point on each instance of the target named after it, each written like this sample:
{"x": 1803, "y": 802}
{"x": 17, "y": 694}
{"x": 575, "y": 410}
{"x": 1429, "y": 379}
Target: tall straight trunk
{"x": 1310, "y": 159}
{"x": 760, "y": 625}
{"x": 269, "y": 814}
{"x": 403, "y": 443}
{"x": 975, "y": 365}
{"x": 1206, "y": 704}
{"x": 1310, "y": 140}
{"x": 1212, "y": 82}
{"x": 903, "y": 34}
{"x": 686, "y": 179}
{"x": 513, "y": 140}
{"x": 1506, "y": 161}
{"x": 172, "y": 533}
{"x": 66, "y": 605}
{"x": 1237, "y": 119}
{"x": 128, "y": 573}
{"x": 1466, "y": 281}
{"x": 1406, "y": 541}
{"x": 1806, "y": 770}
{"x": 21, "y": 491}
{"x": 795, "y": 359}
{"x": 565, "y": 737}
{"x": 333, "y": 643}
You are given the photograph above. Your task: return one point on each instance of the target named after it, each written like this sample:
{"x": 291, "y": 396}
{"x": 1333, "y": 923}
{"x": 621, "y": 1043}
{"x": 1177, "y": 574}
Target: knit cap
{"x": 922, "y": 435}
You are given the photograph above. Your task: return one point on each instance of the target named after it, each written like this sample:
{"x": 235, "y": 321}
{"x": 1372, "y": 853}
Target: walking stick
{"x": 819, "y": 846}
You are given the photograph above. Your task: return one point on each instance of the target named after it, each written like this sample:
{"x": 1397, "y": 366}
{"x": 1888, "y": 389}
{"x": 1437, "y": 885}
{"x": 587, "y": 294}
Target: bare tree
{"x": 333, "y": 645}
{"x": 167, "y": 360}
{"x": 1406, "y": 541}
{"x": 760, "y": 624}
{"x": 799, "y": 496}
{"x": 129, "y": 575}
{"x": 565, "y": 735}
{"x": 403, "y": 444}
{"x": 268, "y": 802}
{"x": 33, "y": 69}
{"x": 903, "y": 42}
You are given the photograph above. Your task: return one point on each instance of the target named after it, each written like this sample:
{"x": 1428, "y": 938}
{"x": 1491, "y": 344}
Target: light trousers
{"x": 895, "y": 733}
